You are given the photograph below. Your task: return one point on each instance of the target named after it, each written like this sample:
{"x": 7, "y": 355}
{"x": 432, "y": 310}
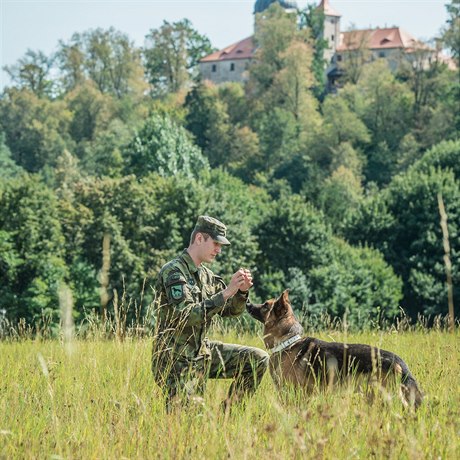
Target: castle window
{"x": 232, "y": 67}
{"x": 214, "y": 67}
{"x": 381, "y": 54}
{"x": 339, "y": 57}
{"x": 332, "y": 38}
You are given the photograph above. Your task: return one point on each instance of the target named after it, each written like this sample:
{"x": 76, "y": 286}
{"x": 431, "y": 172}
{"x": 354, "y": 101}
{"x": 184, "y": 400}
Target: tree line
{"x": 334, "y": 195}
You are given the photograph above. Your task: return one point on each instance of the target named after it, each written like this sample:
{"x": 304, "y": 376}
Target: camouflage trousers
{"x": 185, "y": 380}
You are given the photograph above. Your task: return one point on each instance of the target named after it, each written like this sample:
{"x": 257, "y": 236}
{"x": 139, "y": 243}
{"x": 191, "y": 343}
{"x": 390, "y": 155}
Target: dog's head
{"x": 277, "y": 317}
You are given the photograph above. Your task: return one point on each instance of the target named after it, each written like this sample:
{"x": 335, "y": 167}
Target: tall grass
{"x": 100, "y": 401}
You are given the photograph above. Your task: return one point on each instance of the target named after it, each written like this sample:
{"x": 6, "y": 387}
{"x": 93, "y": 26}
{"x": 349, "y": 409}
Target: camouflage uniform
{"x": 183, "y": 358}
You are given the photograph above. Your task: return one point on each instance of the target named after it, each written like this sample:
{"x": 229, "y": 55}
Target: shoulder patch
{"x": 177, "y": 291}
{"x": 175, "y": 285}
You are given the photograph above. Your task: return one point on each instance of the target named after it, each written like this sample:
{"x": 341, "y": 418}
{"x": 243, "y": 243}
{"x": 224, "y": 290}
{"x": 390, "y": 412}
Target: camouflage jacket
{"x": 188, "y": 297}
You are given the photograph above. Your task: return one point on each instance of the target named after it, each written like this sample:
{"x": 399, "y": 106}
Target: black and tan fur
{"x": 311, "y": 362}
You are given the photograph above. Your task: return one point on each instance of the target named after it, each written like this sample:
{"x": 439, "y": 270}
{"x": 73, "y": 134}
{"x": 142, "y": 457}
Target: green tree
{"x": 199, "y": 103}
{"x": 171, "y": 55}
{"x": 451, "y": 32}
{"x": 32, "y": 72}
{"x": 386, "y": 108}
{"x": 284, "y": 112}
{"x": 8, "y": 168}
{"x": 274, "y": 32}
{"x": 402, "y": 222}
{"x": 436, "y": 90}
{"x": 107, "y": 57}
{"x": 445, "y": 155}
{"x": 31, "y": 235}
{"x": 92, "y": 111}
{"x": 340, "y": 195}
{"x": 340, "y": 138}
{"x": 312, "y": 19}
{"x": 163, "y": 147}
{"x": 215, "y": 116}
{"x": 36, "y": 130}
{"x": 298, "y": 250}
{"x": 358, "y": 286}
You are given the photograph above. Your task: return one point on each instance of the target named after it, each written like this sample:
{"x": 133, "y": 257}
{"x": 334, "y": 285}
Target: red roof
{"x": 324, "y": 5}
{"x": 243, "y": 49}
{"x": 393, "y": 37}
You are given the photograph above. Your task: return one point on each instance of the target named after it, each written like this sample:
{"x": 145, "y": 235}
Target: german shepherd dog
{"x": 310, "y": 363}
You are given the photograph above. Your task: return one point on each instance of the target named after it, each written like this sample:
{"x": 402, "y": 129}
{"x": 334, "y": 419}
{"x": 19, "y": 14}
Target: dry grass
{"x": 97, "y": 399}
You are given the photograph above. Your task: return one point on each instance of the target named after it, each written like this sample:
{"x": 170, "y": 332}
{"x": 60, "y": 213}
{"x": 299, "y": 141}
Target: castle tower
{"x": 331, "y": 29}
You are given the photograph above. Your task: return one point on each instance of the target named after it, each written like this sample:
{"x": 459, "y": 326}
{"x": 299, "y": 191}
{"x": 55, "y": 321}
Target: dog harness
{"x": 287, "y": 343}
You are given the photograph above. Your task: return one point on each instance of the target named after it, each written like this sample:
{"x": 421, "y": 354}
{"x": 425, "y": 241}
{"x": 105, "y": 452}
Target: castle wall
{"x": 221, "y": 71}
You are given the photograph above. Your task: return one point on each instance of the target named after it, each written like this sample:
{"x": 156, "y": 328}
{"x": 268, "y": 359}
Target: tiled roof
{"x": 328, "y": 10}
{"x": 393, "y": 37}
{"x": 243, "y": 49}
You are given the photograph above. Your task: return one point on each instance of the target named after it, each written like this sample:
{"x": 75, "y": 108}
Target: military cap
{"x": 213, "y": 227}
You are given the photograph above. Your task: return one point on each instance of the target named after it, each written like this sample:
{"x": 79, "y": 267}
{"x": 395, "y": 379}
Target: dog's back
{"x": 335, "y": 361}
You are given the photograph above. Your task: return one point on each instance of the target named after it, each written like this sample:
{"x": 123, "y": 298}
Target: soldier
{"x": 189, "y": 295}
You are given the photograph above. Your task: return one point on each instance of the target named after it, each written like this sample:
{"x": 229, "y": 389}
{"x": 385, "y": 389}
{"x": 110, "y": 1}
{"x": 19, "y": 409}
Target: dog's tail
{"x": 410, "y": 392}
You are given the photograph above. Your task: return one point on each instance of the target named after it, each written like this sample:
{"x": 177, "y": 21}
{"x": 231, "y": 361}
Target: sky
{"x": 40, "y": 24}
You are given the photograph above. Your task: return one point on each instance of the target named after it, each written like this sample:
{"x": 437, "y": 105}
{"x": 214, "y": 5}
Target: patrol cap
{"x": 213, "y": 227}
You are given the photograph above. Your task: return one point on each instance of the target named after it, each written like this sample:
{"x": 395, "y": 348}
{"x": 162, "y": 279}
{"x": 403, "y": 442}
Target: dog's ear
{"x": 283, "y": 304}
{"x": 285, "y": 296}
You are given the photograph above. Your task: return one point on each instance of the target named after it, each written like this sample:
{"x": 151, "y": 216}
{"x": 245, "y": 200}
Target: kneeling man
{"x": 189, "y": 295}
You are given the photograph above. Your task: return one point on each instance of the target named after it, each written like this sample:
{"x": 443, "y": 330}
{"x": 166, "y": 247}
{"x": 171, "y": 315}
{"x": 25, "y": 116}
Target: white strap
{"x": 283, "y": 345}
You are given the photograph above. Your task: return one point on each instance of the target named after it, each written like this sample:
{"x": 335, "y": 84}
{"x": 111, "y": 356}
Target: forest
{"x": 335, "y": 195}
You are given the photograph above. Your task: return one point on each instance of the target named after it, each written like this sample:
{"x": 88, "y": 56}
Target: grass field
{"x": 96, "y": 399}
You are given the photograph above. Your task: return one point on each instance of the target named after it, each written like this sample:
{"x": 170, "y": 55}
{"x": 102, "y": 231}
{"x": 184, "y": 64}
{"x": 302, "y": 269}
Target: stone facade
{"x": 225, "y": 70}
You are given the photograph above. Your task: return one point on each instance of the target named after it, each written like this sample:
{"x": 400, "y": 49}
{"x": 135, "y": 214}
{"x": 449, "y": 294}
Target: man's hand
{"x": 241, "y": 280}
{"x": 247, "y": 280}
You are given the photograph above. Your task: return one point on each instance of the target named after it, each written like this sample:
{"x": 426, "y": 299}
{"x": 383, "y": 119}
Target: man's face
{"x": 209, "y": 249}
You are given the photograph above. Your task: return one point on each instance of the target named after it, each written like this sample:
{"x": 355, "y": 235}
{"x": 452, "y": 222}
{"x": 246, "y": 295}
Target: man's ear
{"x": 199, "y": 238}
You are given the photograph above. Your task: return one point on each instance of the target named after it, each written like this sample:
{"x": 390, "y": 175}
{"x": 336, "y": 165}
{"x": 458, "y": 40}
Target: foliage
{"x": 8, "y": 168}
{"x": 215, "y": 116}
{"x": 85, "y": 152}
{"x": 384, "y": 105}
{"x": 297, "y": 247}
{"x": 163, "y": 147}
{"x": 340, "y": 195}
{"x": 32, "y": 72}
{"x": 32, "y": 250}
{"x": 172, "y": 54}
{"x": 106, "y": 57}
{"x": 445, "y": 155}
{"x": 36, "y": 130}
{"x": 312, "y": 18}
{"x": 403, "y": 223}
{"x": 451, "y": 32}
{"x": 358, "y": 286}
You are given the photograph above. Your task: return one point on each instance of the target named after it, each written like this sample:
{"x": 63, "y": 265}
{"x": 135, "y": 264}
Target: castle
{"x": 393, "y": 44}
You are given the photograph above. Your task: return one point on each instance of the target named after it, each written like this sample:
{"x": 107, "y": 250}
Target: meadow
{"x": 95, "y": 398}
